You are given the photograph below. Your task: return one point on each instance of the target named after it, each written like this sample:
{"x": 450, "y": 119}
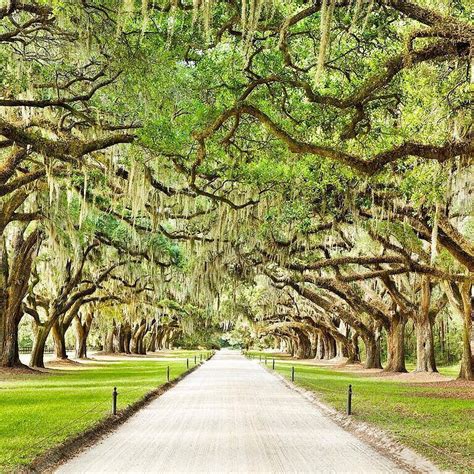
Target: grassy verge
{"x": 38, "y": 412}
{"x": 435, "y": 419}
{"x": 262, "y": 355}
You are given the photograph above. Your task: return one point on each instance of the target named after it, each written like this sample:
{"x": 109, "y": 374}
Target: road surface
{"x": 230, "y": 415}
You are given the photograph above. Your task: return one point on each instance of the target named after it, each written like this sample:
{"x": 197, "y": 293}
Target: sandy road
{"x": 230, "y": 416}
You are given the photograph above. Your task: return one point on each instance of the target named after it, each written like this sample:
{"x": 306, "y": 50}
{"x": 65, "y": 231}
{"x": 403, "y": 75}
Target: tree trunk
{"x": 425, "y": 356}
{"x": 109, "y": 339}
{"x": 136, "y": 345}
{"x": 169, "y": 339}
{"x": 340, "y": 350}
{"x": 82, "y": 333}
{"x": 467, "y": 369}
{"x": 10, "y": 356}
{"x": 396, "y": 345}
{"x": 119, "y": 340}
{"x": 425, "y": 351}
{"x": 127, "y": 337}
{"x": 324, "y": 339}
{"x": 37, "y": 353}
{"x": 13, "y": 288}
{"x": 81, "y": 341}
{"x": 159, "y": 339}
{"x": 303, "y": 350}
{"x": 152, "y": 343}
{"x": 291, "y": 346}
{"x": 353, "y": 349}
{"x": 59, "y": 339}
{"x": 314, "y": 345}
{"x": 372, "y": 353}
{"x": 320, "y": 347}
{"x": 331, "y": 347}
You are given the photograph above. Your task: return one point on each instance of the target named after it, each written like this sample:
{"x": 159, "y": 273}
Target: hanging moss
{"x": 327, "y": 12}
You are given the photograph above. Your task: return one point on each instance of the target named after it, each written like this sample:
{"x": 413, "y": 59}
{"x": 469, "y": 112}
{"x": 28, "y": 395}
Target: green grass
{"x": 449, "y": 370}
{"x": 261, "y": 355}
{"x": 40, "y": 411}
{"x": 435, "y": 420}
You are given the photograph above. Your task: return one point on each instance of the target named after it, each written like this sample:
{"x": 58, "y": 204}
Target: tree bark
{"x": 152, "y": 343}
{"x": 14, "y": 286}
{"x": 331, "y": 347}
{"x": 122, "y": 338}
{"x": 170, "y": 339}
{"x": 109, "y": 339}
{"x": 467, "y": 363}
{"x": 320, "y": 347}
{"x": 314, "y": 344}
{"x": 396, "y": 344}
{"x": 325, "y": 340}
{"x": 425, "y": 354}
{"x": 82, "y": 329}
{"x": 459, "y": 297}
{"x": 81, "y": 341}
{"x": 159, "y": 339}
{"x": 353, "y": 352}
{"x": 59, "y": 338}
{"x": 303, "y": 349}
{"x": 127, "y": 337}
{"x": 136, "y": 345}
{"x": 373, "y": 359}
{"x": 425, "y": 351}
{"x": 37, "y": 353}
{"x": 10, "y": 356}
{"x": 341, "y": 350}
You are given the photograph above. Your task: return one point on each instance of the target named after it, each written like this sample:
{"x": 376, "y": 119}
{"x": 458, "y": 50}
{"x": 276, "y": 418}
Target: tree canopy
{"x": 298, "y": 172}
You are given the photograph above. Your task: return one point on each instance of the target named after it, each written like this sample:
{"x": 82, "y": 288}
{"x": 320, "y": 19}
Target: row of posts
{"x": 349, "y": 389}
{"x": 168, "y": 378}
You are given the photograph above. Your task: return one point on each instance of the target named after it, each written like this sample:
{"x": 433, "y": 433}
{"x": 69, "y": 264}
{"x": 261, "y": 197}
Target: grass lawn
{"x": 40, "y": 411}
{"x": 435, "y": 419}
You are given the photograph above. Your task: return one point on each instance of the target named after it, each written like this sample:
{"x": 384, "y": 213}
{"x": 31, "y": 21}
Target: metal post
{"x": 349, "y": 400}
{"x": 200, "y": 357}
{"x": 168, "y": 373}
{"x": 292, "y": 374}
{"x": 273, "y": 364}
{"x": 187, "y": 363}
{"x": 265, "y": 361}
{"x": 114, "y": 401}
{"x": 195, "y": 360}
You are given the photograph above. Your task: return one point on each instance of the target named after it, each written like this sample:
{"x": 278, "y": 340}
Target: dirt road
{"x": 230, "y": 416}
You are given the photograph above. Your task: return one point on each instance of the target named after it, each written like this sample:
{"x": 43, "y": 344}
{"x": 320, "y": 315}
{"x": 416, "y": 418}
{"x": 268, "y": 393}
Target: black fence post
{"x": 200, "y": 357}
{"x": 265, "y": 361}
{"x": 273, "y": 364}
{"x": 187, "y": 363}
{"x": 195, "y": 360}
{"x": 349, "y": 400}
{"x": 292, "y": 374}
{"x": 168, "y": 373}
{"x": 114, "y": 401}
